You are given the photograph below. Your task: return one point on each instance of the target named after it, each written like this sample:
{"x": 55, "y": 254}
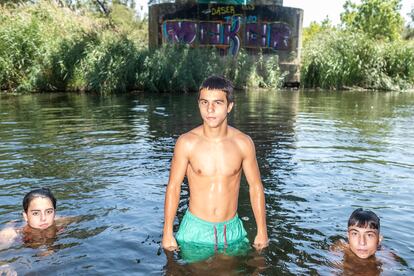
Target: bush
{"x": 338, "y": 59}
{"x": 182, "y": 68}
{"x": 110, "y": 64}
{"x": 20, "y": 51}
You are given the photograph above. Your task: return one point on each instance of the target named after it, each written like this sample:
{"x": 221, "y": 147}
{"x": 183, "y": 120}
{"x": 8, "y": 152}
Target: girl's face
{"x": 40, "y": 214}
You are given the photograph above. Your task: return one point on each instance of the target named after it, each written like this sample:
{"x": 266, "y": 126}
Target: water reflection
{"x": 321, "y": 155}
{"x": 219, "y": 264}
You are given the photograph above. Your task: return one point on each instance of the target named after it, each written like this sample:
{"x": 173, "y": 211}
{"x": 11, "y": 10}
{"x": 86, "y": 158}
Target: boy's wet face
{"x": 213, "y": 106}
{"x": 363, "y": 242}
{"x": 40, "y": 213}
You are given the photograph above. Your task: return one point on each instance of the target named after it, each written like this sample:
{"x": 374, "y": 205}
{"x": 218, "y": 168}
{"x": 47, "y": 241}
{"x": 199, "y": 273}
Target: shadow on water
{"x": 219, "y": 264}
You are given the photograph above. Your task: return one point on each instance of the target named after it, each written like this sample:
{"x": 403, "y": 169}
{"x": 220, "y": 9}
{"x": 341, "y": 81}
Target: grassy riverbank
{"x": 44, "y": 47}
{"x": 337, "y": 59}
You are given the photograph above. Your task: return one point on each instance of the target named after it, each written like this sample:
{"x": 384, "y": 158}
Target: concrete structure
{"x": 259, "y": 25}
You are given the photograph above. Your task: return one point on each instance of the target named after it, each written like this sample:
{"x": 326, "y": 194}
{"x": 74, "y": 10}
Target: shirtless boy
{"x": 213, "y": 156}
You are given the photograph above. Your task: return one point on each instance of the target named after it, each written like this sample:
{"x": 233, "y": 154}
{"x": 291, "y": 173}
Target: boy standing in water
{"x": 212, "y": 157}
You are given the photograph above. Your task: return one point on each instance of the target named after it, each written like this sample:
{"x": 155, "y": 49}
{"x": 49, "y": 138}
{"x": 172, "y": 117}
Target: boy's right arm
{"x": 172, "y": 196}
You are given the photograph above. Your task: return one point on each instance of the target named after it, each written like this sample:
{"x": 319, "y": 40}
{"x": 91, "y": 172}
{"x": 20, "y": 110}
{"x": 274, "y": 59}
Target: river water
{"x": 321, "y": 155}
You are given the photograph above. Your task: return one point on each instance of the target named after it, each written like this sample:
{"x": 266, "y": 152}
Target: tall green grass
{"x": 44, "y": 47}
{"x": 338, "y": 59}
{"x": 39, "y": 44}
{"x": 182, "y": 68}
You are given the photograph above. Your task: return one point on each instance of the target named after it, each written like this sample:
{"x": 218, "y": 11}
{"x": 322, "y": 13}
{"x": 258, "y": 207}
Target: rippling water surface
{"x": 321, "y": 155}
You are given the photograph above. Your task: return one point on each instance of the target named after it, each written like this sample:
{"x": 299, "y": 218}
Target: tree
{"x": 316, "y": 28}
{"x": 379, "y": 19}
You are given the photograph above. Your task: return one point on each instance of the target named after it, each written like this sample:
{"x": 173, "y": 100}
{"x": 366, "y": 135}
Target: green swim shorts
{"x": 200, "y": 239}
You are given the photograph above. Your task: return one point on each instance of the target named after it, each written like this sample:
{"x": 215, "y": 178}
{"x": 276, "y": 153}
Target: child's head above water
{"x": 39, "y": 208}
{"x": 363, "y": 233}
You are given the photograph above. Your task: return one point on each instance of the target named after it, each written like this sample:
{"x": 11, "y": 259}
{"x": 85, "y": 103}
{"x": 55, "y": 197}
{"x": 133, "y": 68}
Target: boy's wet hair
{"x": 219, "y": 83}
{"x": 364, "y": 219}
{"x": 42, "y": 192}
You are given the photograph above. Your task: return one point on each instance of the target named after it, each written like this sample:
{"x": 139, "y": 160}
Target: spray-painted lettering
{"x": 227, "y": 33}
{"x": 223, "y": 10}
{"x": 180, "y": 31}
{"x": 242, "y": 20}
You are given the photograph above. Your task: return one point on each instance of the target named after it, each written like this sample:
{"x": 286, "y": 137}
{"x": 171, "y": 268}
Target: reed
{"x": 339, "y": 59}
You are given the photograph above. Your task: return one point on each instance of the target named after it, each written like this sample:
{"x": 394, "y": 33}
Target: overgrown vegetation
{"x": 367, "y": 51}
{"x": 340, "y": 59}
{"x": 46, "y": 47}
{"x": 378, "y": 19}
{"x": 92, "y": 45}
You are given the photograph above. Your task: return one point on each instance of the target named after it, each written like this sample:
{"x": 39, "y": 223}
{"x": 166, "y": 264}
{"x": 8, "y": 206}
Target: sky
{"x": 317, "y": 10}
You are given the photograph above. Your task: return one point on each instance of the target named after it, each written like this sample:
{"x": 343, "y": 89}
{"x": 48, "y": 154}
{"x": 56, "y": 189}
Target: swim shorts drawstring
{"x": 216, "y": 237}
{"x": 225, "y": 236}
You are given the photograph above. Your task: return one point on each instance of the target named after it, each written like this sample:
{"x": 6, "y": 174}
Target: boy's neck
{"x": 215, "y": 133}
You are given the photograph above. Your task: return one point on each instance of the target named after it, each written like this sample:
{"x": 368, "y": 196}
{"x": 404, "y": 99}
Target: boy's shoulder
{"x": 186, "y": 142}
{"x": 238, "y": 134}
{"x": 191, "y": 136}
{"x": 7, "y": 236}
{"x": 241, "y": 139}
{"x": 339, "y": 246}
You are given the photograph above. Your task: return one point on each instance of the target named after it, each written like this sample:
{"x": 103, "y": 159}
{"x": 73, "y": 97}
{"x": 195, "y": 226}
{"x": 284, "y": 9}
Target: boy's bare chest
{"x": 223, "y": 159}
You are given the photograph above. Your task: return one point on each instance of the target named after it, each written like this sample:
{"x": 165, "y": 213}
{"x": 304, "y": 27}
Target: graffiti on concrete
{"x": 274, "y": 35}
{"x": 228, "y": 33}
{"x": 177, "y": 31}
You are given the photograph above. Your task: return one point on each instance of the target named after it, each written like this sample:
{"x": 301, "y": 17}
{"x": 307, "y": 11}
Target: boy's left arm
{"x": 257, "y": 198}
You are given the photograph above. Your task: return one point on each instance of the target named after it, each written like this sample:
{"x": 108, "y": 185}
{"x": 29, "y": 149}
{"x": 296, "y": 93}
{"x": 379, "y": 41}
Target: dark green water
{"x": 321, "y": 155}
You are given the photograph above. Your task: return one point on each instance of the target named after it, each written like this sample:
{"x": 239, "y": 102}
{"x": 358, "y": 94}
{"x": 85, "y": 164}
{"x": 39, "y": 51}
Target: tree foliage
{"x": 379, "y": 19}
{"x": 316, "y": 28}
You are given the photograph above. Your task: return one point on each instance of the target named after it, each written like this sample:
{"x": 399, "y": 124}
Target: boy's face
{"x": 363, "y": 242}
{"x": 213, "y": 107}
{"x": 40, "y": 214}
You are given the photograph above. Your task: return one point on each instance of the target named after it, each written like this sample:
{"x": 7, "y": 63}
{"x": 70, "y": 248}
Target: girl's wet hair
{"x": 219, "y": 83}
{"x": 42, "y": 192}
{"x": 364, "y": 219}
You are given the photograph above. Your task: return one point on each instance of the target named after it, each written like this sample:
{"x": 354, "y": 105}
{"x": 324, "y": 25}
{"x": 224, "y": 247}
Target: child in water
{"x": 39, "y": 210}
{"x": 364, "y": 233}
{"x": 358, "y": 255}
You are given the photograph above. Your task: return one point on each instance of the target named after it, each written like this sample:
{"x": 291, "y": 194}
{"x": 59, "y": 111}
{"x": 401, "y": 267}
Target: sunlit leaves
{"x": 379, "y": 19}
